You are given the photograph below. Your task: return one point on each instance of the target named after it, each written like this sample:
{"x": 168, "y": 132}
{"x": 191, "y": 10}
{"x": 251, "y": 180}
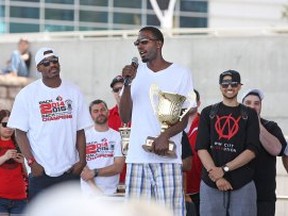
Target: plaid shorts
{"x": 160, "y": 182}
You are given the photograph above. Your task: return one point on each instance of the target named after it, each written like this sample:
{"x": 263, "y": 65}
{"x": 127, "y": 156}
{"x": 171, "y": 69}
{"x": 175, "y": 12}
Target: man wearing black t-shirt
{"x": 273, "y": 144}
{"x": 227, "y": 143}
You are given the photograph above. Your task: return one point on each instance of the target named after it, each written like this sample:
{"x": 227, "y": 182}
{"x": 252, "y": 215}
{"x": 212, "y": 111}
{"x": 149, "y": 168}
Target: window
{"x": 54, "y": 28}
{"x": 22, "y": 27}
{"x": 92, "y": 16}
{"x": 60, "y": 1}
{"x": 94, "y": 2}
{"x": 127, "y": 18}
{"x": 24, "y": 12}
{"x": 128, "y": 4}
{"x": 193, "y": 22}
{"x": 194, "y": 6}
{"x": 58, "y": 14}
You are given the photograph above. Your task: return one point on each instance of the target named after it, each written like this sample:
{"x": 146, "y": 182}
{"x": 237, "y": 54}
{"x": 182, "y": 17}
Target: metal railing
{"x": 177, "y": 32}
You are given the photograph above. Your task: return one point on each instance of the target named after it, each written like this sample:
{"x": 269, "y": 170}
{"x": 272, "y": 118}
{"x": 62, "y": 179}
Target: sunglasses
{"x": 144, "y": 41}
{"x": 47, "y": 62}
{"x": 226, "y": 84}
{"x": 116, "y": 90}
{"x": 4, "y": 124}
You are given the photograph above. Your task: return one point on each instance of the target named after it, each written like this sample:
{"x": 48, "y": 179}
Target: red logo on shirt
{"x": 227, "y": 126}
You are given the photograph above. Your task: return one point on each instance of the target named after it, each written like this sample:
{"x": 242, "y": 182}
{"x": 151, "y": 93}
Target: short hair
{"x": 155, "y": 31}
{"x": 197, "y": 95}
{"x": 98, "y": 101}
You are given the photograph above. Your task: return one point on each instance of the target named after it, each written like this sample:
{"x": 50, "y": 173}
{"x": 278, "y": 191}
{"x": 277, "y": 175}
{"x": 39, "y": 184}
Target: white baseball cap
{"x": 254, "y": 91}
{"x": 43, "y": 53}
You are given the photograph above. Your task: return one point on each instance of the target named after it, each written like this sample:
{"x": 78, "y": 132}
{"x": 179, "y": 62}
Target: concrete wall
{"x": 261, "y": 60}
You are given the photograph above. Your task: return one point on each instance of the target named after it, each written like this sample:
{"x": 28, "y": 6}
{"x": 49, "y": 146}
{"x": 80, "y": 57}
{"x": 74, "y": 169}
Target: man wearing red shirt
{"x": 114, "y": 120}
{"x": 193, "y": 176}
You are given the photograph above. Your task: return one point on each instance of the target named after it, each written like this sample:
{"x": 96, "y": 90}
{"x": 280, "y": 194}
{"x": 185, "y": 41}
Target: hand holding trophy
{"x": 167, "y": 106}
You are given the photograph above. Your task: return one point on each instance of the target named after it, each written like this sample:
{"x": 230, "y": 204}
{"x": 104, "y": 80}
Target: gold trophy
{"x": 125, "y": 134}
{"x": 167, "y": 106}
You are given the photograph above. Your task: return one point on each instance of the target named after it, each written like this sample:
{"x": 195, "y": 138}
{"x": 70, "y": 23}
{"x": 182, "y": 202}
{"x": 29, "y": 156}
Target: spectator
{"x": 273, "y": 144}
{"x": 227, "y": 142}
{"x": 114, "y": 120}
{"x": 193, "y": 176}
{"x": 50, "y": 117}
{"x": 103, "y": 153}
{"x": 13, "y": 197}
{"x": 19, "y": 63}
{"x": 153, "y": 175}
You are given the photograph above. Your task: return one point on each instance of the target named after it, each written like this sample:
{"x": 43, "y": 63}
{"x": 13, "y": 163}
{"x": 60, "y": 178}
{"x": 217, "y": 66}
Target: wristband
{"x": 30, "y": 161}
{"x": 96, "y": 171}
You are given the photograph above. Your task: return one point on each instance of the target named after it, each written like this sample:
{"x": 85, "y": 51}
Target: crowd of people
{"x": 223, "y": 161}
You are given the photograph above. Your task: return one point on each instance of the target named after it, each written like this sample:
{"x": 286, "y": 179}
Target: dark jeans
{"x": 12, "y": 206}
{"x": 40, "y": 183}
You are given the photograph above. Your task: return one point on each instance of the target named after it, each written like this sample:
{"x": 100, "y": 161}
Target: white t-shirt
{"x": 174, "y": 79}
{"x": 51, "y": 117}
{"x": 101, "y": 150}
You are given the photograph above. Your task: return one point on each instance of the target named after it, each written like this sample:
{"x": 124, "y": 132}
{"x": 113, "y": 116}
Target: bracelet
{"x": 96, "y": 172}
{"x": 30, "y": 161}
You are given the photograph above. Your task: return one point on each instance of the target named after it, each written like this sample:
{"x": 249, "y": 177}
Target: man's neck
{"x": 52, "y": 83}
{"x": 230, "y": 102}
{"x": 101, "y": 128}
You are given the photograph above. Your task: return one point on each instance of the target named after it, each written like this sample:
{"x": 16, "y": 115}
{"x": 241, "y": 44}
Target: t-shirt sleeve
{"x": 19, "y": 118}
{"x": 276, "y": 131}
{"x": 253, "y": 130}
{"x": 83, "y": 116}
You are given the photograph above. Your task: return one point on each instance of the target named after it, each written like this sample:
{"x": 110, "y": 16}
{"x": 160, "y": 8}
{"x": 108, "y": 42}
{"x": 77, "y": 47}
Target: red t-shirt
{"x": 193, "y": 177}
{"x": 12, "y": 184}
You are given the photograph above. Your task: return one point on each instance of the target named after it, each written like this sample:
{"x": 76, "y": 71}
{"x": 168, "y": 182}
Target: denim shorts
{"x": 12, "y": 206}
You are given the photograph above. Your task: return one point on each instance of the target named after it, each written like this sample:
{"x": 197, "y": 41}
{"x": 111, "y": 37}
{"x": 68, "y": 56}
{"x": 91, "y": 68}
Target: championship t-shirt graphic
{"x": 55, "y": 109}
{"x": 102, "y": 149}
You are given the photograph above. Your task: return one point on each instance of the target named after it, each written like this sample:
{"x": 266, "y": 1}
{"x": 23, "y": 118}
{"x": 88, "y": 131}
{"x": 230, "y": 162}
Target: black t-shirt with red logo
{"x": 227, "y": 135}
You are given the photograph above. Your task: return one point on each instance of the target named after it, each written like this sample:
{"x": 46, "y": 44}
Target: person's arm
{"x": 270, "y": 143}
{"x": 187, "y": 164}
{"x": 126, "y": 103}
{"x": 25, "y": 148}
{"x": 81, "y": 148}
{"x": 10, "y": 153}
{"x": 114, "y": 169}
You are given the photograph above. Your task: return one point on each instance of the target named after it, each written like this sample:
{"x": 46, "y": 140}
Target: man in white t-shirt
{"x": 50, "y": 117}
{"x": 153, "y": 175}
{"x": 103, "y": 153}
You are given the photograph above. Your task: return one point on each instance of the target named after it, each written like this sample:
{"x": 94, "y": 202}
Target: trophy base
{"x": 148, "y": 147}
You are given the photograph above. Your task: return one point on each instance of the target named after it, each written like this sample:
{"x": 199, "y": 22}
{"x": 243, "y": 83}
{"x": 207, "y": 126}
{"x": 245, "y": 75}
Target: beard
{"x": 101, "y": 120}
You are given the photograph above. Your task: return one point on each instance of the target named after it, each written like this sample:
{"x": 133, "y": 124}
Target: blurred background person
{"x": 114, "y": 120}
{"x": 13, "y": 197}
{"x": 273, "y": 144}
{"x": 19, "y": 62}
{"x": 193, "y": 176}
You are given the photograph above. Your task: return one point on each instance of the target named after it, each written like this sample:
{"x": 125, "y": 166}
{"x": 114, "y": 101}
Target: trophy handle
{"x": 154, "y": 91}
{"x": 191, "y": 98}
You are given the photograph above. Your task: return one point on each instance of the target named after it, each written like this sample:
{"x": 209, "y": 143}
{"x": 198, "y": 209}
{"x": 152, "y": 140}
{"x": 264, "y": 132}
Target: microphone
{"x": 127, "y": 79}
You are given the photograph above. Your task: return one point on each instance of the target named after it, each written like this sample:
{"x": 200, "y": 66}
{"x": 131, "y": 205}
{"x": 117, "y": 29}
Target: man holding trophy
{"x": 153, "y": 97}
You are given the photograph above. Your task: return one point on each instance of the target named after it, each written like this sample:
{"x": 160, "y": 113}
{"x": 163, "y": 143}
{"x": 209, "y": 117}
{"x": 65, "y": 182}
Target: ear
{"x": 159, "y": 44}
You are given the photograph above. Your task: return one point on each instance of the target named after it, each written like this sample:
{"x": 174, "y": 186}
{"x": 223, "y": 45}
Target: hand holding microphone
{"x": 129, "y": 71}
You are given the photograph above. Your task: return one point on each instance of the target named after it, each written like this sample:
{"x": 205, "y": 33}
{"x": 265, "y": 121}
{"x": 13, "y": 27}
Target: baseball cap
{"x": 43, "y": 53}
{"x": 234, "y": 74}
{"x": 253, "y": 91}
{"x": 117, "y": 79}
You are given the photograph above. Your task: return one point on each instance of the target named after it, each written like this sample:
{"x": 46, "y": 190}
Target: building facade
{"x": 17, "y": 16}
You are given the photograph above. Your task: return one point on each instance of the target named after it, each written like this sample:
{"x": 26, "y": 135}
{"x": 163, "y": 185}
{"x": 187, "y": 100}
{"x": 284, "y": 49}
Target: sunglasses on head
{"x": 116, "y": 90}
{"x": 143, "y": 41}
{"x": 4, "y": 124}
{"x": 225, "y": 84}
{"x": 47, "y": 62}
